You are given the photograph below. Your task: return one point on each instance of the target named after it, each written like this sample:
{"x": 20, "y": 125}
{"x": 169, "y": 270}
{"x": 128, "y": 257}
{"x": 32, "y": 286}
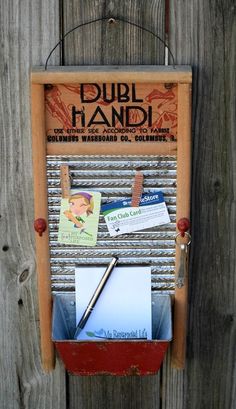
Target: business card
{"x": 121, "y": 218}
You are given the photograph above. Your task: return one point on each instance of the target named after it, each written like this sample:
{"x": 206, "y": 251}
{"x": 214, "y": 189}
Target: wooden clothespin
{"x": 65, "y": 181}
{"x": 137, "y": 189}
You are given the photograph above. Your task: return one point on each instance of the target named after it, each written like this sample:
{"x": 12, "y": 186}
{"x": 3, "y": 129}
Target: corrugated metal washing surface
{"x": 113, "y": 177}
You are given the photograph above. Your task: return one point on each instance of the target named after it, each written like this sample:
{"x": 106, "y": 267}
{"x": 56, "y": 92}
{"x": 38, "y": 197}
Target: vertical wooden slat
{"x": 26, "y": 35}
{"x": 41, "y": 211}
{"x": 173, "y": 385}
{"x": 117, "y": 44}
{"x": 203, "y": 34}
{"x": 182, "y": 210}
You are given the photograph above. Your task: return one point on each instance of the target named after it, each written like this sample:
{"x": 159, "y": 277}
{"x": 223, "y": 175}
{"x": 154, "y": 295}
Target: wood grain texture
{"x": 169, "y": 148}
{"x": 42, "y": 239}
{"x": 120, "y": 43}
{"x": 182, "y": 210}
{"x": 109, "y": 74}
{"x": 101, "y": 43}
{"x": 173, "y": 385}
{"x": 26, "y": 33}
{"x": 203, "y": 33}
{"x": 134, "y": 392}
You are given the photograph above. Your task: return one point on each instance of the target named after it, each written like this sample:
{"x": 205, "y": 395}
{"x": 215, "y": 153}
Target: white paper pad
{"x": 123, "y": 310}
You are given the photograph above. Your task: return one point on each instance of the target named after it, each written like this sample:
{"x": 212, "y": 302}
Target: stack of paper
{"x": 123, "y": 310}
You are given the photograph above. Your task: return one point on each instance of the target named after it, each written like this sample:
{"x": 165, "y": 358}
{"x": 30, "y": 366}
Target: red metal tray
{"x": 111, "y": 357}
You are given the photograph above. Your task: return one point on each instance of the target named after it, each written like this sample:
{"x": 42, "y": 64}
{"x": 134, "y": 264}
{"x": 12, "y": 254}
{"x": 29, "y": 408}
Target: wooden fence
{"x": 202, "y": 34}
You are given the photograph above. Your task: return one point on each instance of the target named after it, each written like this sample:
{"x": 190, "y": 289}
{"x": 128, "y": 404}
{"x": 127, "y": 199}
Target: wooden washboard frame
{"x": 182, "y": 76}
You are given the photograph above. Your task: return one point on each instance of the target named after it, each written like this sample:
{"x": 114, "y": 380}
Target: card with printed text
{"x": 121, "y": 218}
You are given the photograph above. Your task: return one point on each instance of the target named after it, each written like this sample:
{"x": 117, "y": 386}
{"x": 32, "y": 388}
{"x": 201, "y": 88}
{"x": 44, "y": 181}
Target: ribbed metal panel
{"x": 113, "y": 177}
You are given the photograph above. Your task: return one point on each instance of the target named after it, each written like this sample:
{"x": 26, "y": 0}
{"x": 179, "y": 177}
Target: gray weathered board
{"x": 202, "y": 33}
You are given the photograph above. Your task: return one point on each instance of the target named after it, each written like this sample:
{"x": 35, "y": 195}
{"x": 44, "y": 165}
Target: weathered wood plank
{"x": 41, "y": 211}
{"x": 26, "y": 33}
{"x": 115, "y": 392}
{"x": 173, "y": 385}
{"x": 182, "y": 210}
{"x": 119, "y": 43}
{"x": 101, "y": 43}
{"x": 203, "y": 34}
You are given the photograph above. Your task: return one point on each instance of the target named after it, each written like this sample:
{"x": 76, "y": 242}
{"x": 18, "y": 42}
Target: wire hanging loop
{"x": 111, "y": 21}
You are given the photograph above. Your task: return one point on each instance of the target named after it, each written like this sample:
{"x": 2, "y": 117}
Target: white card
{"x": 123, "y": 310}
{"x": 121, "y": 218}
